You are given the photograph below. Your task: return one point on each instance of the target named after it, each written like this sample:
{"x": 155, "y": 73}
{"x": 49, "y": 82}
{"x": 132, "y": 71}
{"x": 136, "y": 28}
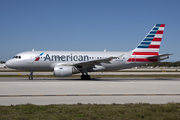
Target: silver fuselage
{"x": 50, "y": 59}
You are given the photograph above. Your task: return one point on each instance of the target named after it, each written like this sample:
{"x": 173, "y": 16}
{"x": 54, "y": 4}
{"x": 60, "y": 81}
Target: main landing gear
{"x": 85, "y": 77}
{"x": 31, "y": 75}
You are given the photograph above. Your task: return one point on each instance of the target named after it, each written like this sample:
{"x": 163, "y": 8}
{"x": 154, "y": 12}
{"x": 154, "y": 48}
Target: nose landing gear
{"x": 31, "y": 75}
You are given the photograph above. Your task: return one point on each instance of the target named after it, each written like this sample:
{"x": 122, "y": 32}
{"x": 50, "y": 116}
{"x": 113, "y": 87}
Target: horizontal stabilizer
{"x": 160, "y": 57}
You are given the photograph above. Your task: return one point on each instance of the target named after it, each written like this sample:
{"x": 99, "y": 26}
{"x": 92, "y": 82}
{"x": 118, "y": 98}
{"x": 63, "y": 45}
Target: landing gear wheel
{"x": 88, "y": 77}
{"x": 31, "y": 75}
{"x": 31, "y": 78}
{"x": 85, "y": 77}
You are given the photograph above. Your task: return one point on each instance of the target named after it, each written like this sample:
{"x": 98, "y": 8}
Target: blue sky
{"x": 86, "y": 25}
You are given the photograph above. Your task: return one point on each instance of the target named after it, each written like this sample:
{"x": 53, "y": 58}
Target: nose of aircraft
{"x": 9, "y": 63}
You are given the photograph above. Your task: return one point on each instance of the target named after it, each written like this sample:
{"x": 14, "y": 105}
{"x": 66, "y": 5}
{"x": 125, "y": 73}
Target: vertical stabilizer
{"x": 151, "y": 43}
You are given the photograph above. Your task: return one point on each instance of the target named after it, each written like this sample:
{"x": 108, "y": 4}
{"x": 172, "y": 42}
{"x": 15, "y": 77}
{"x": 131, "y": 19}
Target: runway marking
{"x": 90, "y": 95}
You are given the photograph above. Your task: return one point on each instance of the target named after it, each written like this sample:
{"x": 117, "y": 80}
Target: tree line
{"x": 167, "y": 64}
{"x": 2, "y": 62}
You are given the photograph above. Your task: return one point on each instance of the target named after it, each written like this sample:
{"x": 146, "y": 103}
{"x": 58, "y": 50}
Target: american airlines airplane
{"x": 66, "y": 63}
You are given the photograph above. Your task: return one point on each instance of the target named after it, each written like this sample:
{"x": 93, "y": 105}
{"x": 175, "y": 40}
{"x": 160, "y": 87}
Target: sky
{"x": 86, "y": 25}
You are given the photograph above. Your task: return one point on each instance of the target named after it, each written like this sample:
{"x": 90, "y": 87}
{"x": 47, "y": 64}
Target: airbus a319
{"x": 66, "y": 63}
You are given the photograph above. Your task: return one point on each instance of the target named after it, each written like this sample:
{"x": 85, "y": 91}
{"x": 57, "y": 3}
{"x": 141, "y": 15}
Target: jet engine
{"x": 64, "y": 71}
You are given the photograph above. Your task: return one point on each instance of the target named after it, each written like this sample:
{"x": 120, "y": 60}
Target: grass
{"x": 170, "y": 111}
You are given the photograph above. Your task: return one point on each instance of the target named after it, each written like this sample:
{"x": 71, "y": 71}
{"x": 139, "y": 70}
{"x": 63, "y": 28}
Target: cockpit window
{"x": 17, "y": 57}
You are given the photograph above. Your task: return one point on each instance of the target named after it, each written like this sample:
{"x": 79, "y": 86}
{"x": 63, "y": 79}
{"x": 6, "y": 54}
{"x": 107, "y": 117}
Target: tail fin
{"x": 151, "y": 43}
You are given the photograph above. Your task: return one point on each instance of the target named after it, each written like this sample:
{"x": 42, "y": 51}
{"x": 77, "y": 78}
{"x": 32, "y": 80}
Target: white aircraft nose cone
{"x": 9, "y": 63}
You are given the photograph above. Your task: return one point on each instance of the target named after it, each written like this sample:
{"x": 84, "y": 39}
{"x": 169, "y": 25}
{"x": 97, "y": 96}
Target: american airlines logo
{"x": 70, "y": 57}
{"x": 37, "y": 59}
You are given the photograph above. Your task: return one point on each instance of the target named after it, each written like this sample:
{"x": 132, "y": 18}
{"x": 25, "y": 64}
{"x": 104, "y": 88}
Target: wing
{"x": 85, "y": 64}
{"x": 94, "y": 62}
{"x": 82, "y": 65}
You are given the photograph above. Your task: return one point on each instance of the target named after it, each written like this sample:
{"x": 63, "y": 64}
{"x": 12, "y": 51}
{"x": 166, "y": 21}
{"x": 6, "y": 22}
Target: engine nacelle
{"x": 64, "y": 71}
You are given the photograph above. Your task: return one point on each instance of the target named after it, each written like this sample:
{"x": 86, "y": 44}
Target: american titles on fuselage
{"x": 66, "y": 57}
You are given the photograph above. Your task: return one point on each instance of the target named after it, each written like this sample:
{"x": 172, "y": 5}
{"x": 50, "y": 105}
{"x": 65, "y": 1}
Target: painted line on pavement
{"x": 90, "y": 95}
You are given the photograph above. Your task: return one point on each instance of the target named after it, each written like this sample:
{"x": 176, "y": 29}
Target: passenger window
{"x": 19, "y": 57}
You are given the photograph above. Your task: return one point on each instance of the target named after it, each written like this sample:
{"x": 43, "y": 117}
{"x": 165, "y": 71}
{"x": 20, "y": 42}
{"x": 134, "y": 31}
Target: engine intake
{"x": 64, "y": 71}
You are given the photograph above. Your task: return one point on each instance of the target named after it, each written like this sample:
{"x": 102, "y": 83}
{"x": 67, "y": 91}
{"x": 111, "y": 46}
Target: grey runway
{"x": 44, "y": 91}
{"x": 91, "y": 95}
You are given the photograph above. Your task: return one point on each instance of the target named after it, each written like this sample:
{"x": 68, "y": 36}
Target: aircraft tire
{"x": 88, "y": 77}
{"x": 31, "y": 78}
{"x": 83, "y": 77}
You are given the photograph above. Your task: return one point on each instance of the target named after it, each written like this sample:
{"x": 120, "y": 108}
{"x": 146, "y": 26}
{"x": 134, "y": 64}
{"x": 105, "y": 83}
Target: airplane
{"x": 66, "y": 63}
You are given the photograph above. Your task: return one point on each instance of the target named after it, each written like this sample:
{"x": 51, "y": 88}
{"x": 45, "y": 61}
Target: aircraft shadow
{"x": 102, "y": 79}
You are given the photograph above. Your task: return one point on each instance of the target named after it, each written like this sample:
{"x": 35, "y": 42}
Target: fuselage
{"x": 47, "y": 60}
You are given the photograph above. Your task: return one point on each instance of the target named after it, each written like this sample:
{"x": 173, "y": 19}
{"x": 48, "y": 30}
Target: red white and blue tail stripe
{"x": 149, "y": 46}
{"x": 151, "y": 43}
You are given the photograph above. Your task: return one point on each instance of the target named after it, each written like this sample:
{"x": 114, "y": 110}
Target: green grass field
{"x": 170, "y": 111}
